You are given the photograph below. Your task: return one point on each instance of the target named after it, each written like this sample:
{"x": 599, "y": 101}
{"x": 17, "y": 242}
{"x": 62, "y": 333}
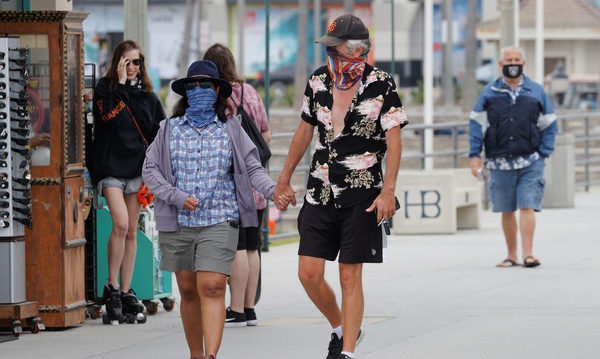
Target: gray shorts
{"x": 208, "y": 249}
{"x": 128, "y": 185}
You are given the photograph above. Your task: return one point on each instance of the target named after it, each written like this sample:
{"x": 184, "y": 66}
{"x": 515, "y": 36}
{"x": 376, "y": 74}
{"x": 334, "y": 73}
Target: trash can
{"x": 151, "y": 284}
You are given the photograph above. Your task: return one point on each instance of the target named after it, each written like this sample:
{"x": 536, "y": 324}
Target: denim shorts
{"x": 207, "y": 249}
{"x": 128, "y": 185}
{"x": 521, "y": 188}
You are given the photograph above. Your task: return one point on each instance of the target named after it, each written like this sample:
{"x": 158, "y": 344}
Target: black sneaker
{"x": 344, "y": 356}
{"x": 234, "y": 319}
{"x": 250, "y": 317}
{"x": 336, "y": 344}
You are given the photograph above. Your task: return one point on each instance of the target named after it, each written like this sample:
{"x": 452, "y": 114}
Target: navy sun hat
{"x": 344, "y": 28}
{"x": 202, "y": 71}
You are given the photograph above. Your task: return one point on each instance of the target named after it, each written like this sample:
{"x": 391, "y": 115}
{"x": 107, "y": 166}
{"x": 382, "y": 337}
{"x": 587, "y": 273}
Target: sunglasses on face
{"x": 193, "y": 85}
{"x": 135, "y": 62}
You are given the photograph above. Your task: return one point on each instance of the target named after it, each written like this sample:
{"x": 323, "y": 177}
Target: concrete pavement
{"x": 439, "y": 296}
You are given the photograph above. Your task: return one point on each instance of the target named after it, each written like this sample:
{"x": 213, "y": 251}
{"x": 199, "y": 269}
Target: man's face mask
{"x": 512, "y": 70}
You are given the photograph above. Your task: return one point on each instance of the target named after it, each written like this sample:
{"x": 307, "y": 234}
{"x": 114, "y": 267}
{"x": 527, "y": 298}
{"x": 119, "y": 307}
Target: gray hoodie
{"x": 247, "y": 173}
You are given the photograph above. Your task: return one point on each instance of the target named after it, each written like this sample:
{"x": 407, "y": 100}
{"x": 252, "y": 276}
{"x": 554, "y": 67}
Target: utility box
{"x": 12, "y": 271}
{"x": 560, "y": 174}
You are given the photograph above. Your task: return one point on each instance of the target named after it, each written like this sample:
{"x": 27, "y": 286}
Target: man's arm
{"x": 302, "y": 138}
{"x": 385, "y": 203}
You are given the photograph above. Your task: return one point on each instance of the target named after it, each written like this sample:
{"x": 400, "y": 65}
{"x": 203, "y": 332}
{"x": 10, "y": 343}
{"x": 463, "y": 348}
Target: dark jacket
{"x": 119, "y": 148}
{"x": 512, "y": 127}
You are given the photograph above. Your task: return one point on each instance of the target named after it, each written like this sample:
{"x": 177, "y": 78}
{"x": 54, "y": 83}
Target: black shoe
{"x": 336, "y": 344}
{"x": 130, "y": 303}
{"x": 250, "y": 317}
{"x": 112, "y": 301}
{"x": 344, "y": 356}
{"x": 234, "y": 319}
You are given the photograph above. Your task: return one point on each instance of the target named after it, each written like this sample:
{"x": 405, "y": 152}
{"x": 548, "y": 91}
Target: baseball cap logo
{"x": 332, "y": 27}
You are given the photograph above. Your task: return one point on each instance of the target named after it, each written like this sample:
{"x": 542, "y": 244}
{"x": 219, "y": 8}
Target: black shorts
{"x": 354, "y": 233}
{"x": 250, "y": 236}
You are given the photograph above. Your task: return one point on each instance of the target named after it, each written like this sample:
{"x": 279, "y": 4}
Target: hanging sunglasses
{"x": 18, "y": 141}
{"x": 24, "y": 71}
{"x": 3, "y": 184}
{"x": 24, "y": 163}
{"x": 3, "y": 115}
{"x": 20, "y": 151}
{"x": 27, "y": 222}
{"x": 24, "y": 211}
{"x": 3, "y": 145}
{"x": 22, "y": 122}
{"x": 21, "y": 181}
{"x": 2, "y": 65}
{"x": 22, "y": 52}
{"x": 3, "y": 134}
{"x": 20, "y": 131}
{"x": 23, "y": 93}
{"x": 4, "y": 195}
{"x": 3, "y": 155}
{"x": 2, "y": 95}
{"x": 23, "y": 201}
{"x": 3, "y": 176}
{"x": 1, "y": 55}
{"x": 4, "y": 214}
{"x": 18, "y": 62}
{"x": 4, "y": 224}
{"x": 4, "y": 204}
{"x": 2, "y": 85}
{"x": 3, "y": 164}
{"x": 20, "y": 82}
{"x": 2, "y": 125}
{"x": 26, "y": 191}
{"x": 18, "y": 101}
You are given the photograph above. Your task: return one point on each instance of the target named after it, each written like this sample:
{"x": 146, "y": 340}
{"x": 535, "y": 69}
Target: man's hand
{"x": 476, "y": 164}
{"x": 385, "y": 206}
{"x": 283, "y": 195}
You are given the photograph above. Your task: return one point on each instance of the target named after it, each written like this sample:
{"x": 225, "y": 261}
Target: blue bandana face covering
{"x": 202, "y": 106}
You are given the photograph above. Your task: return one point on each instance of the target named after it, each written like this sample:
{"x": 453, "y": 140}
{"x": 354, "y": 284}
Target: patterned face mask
{"x": 202, "y": 105}
{"x": 344, "y": 70}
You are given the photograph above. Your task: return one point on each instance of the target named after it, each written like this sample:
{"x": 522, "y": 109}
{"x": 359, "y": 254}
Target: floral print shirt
{"x": 346, "y": 169}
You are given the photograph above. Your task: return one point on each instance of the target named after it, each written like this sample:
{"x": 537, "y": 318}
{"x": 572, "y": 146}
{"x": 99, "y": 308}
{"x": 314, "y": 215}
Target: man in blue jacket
{"x": 515, "y": 121}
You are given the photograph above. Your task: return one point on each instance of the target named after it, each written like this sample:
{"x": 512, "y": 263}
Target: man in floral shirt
{"x": 358, "y": 115}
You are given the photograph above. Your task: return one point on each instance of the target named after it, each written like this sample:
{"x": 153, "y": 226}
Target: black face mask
{"x": 512, "y": 71}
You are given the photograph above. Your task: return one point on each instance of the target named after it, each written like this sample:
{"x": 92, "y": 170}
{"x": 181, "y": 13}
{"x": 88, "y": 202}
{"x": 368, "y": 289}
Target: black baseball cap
{"x": 344, "y": 28}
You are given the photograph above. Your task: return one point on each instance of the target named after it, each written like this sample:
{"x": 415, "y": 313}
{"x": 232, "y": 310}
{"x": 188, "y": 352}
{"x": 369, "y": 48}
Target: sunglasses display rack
{"x": 15, "y": 129}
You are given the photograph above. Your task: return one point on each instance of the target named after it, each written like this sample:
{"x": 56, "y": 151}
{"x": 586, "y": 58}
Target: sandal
{"x": 507, "y": 263}
{"x": 532, "y": 263}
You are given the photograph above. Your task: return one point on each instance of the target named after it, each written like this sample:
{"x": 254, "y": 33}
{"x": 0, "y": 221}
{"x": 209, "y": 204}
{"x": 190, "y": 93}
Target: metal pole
{"x": 517, "y": 23}
{"x": 539, "y": 41}
{"x": 241, "y": 19}
{"x": 507, "y": 22}
{"x": 317, "y": 33}
{"x": 267, "y": 55}
{"x": 136, "y": 23}
{"x": 393, "y": 64}
{"x": 448, "y": 47}
{"x": 428, "y": 82}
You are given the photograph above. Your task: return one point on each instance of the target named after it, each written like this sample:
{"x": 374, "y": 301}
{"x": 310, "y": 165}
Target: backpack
{"x": 250, "y": 127}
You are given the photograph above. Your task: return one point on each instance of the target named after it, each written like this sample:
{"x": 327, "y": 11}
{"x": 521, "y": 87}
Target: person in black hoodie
{"x": 127, "y": 114}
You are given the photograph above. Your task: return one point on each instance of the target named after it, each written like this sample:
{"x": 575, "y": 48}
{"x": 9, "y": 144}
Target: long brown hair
{"x": 112, "y": 73}
{"x": 223, "y": 58}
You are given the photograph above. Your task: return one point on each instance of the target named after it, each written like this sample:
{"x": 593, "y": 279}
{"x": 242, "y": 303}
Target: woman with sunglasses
{"x": 127, "y": 113}
{"x": 201, "y": 168}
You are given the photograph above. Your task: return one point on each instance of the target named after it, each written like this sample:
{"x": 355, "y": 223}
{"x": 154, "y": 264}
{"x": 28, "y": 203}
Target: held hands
{"x": 283, "y": 195}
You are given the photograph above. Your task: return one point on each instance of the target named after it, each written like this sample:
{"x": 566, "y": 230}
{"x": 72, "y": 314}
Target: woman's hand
{"x": 122, "y": 70}
{"x": 191, "y": 203}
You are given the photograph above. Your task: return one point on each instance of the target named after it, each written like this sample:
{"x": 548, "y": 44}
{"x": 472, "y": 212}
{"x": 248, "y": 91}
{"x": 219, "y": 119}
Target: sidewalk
{"x": 440, "y": 296}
